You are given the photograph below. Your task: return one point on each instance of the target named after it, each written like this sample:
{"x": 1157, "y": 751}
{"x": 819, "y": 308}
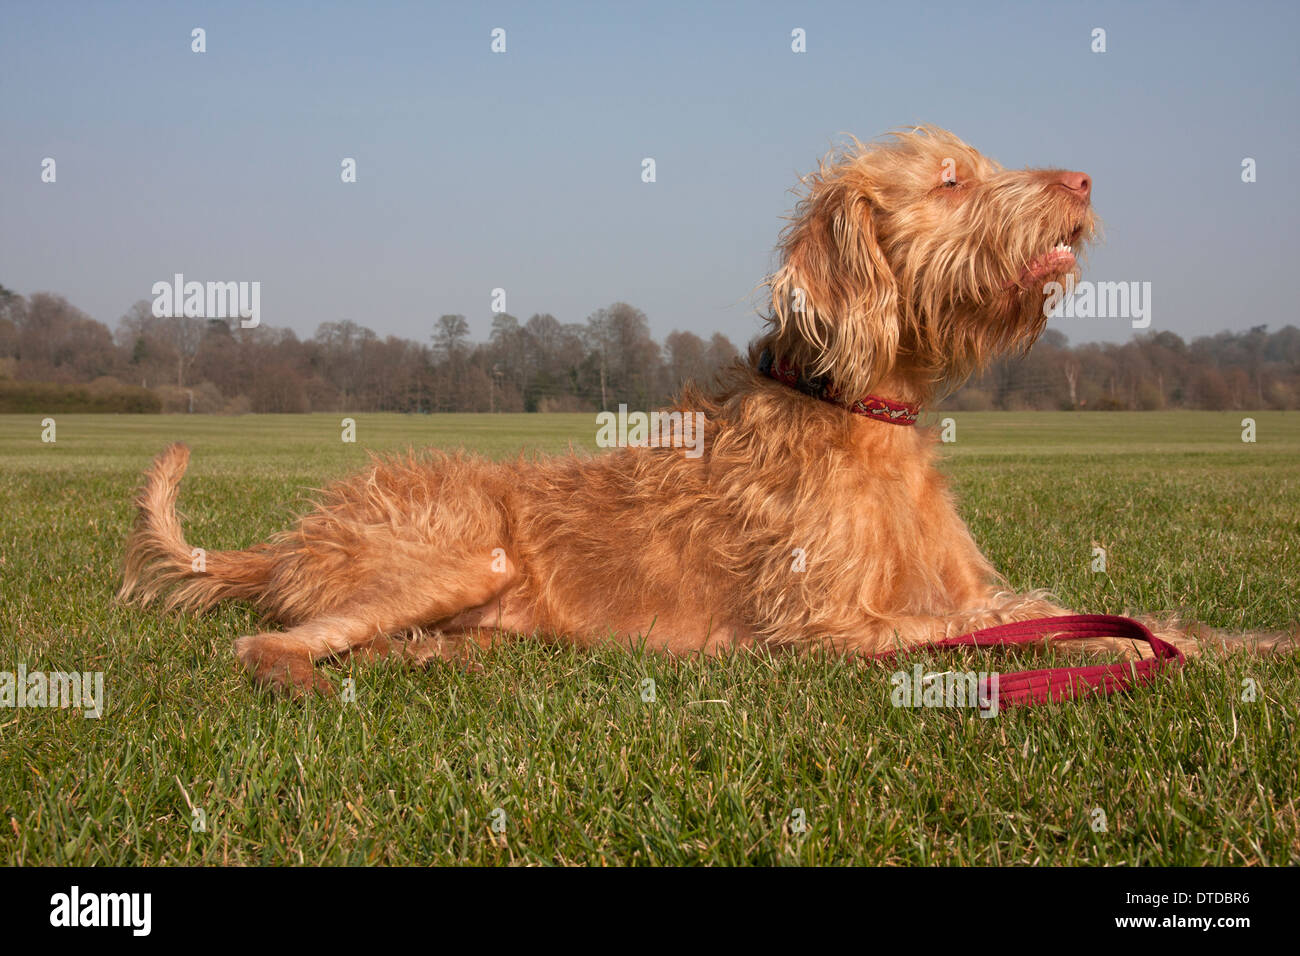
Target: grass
{"x": 711, "y": 771}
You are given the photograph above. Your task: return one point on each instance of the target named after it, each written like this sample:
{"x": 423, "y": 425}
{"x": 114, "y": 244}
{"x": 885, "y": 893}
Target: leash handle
{"x": 1066, "y": 683}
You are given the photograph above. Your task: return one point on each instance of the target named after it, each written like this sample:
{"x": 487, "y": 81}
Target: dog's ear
{"x": 834, "y": 299}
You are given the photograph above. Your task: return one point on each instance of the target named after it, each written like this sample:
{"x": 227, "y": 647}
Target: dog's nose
{"x": 1077, "y": 183}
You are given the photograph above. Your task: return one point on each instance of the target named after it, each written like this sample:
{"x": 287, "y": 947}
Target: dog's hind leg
{"x": 399, "y": 601}
{"x": 424, "y": 646}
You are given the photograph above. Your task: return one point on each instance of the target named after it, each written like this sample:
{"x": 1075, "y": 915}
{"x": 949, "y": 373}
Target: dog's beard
{"x": 1027, "y": 305}
{"x": 1001, "y": 309}
{"x": 1051, "y": 267}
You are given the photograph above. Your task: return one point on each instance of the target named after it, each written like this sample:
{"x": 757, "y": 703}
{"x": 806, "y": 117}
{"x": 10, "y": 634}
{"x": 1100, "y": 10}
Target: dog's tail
{"x": 158, "y": 560}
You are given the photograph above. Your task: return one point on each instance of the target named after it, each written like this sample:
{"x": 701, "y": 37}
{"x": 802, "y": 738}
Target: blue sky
{"x": 522, "y": 170}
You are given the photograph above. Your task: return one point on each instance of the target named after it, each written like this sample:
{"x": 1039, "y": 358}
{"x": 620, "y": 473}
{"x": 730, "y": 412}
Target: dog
{"x": 814, "y": 518}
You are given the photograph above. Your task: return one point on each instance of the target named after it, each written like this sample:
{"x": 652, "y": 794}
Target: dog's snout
{"x": 1079, "y": 184}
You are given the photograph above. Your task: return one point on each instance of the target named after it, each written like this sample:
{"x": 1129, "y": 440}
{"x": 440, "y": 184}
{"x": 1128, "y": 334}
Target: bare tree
{"x": 1071, "y": 369}
{"x": 186, "y": 336}
{"x": 449, "y": 335}
{"x": 686, "y": 361}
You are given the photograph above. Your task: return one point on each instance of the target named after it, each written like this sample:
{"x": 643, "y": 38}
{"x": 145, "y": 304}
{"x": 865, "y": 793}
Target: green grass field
{"x": 713, "y": 770}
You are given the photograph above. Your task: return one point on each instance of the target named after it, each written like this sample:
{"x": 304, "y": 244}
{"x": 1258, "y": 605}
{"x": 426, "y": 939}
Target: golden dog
{"x": 814, "y": 517}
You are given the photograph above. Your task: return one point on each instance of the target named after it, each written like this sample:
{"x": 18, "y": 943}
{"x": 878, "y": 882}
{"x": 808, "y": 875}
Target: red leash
{"x": 1064, "y": 683}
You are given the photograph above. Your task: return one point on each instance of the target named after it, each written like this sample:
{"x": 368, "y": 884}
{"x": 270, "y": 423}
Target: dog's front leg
{"x": 1005, "y": 607}
{"x": 882, "y": 635}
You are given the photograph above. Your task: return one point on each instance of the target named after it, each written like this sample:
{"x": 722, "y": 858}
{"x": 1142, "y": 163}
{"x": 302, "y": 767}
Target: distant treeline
{"x": 1255, "y": 370}
{"x": 53, "y": 357}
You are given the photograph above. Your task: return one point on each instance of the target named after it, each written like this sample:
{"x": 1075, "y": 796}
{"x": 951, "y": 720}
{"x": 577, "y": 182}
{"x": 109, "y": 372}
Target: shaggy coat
{"x": 908, "y": 264}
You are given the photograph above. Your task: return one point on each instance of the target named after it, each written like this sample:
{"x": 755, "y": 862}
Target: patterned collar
{"x": 869, "y": 406}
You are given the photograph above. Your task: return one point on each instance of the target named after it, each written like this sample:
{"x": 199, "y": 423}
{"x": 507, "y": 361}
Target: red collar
{"x": 869, "y": 406}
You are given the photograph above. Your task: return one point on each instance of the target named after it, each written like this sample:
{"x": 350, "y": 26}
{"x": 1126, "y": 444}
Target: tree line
{"x": 1254, "y": 369}
{"x": 214, "y": 365}
{"x": 543, "y": 365}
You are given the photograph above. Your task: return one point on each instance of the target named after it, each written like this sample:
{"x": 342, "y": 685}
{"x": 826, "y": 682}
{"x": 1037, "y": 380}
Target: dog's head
{"x": 915, "y": 260}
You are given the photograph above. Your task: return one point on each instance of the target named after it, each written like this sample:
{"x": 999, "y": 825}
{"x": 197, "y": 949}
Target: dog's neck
{"x": 869, "y": 406}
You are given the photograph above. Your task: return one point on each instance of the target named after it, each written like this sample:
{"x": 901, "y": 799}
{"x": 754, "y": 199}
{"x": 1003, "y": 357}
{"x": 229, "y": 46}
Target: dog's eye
{"x": 950, "y": 184}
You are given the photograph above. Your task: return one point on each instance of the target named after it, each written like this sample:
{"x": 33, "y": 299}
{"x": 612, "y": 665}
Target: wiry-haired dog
{"x": 811, "y": 519}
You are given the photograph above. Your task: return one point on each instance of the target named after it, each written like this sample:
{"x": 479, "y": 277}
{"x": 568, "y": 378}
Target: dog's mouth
{"x": 1054, "y": 262}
